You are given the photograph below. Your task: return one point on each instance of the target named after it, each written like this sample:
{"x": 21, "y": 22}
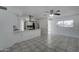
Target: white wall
{"x": 74, "y": 31}
{"x": 7, "y": 20}
{"x": 44, "y": 26}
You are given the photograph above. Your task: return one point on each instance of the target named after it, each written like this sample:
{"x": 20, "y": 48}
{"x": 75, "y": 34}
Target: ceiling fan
{"x": 53, "y": 12}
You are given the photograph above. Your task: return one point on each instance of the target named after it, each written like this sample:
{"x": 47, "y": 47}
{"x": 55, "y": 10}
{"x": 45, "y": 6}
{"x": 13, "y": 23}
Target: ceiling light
{"x": 51, "y": 15}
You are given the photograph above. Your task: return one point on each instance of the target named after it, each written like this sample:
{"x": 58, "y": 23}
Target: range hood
{"x": 30, "y": 17}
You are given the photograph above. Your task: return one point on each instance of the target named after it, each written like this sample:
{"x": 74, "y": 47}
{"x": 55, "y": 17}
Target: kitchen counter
{"x": 26, "y": 35}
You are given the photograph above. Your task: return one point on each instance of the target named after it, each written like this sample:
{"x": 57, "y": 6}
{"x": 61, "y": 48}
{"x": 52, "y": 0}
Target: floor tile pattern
{"x": 58, "y": 43}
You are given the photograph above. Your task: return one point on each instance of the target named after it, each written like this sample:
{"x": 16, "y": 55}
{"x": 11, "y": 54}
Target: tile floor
{"x": 57, "y": 43}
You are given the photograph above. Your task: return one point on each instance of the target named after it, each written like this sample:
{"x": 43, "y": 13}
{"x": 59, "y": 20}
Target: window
{"x": 65, "y": 23}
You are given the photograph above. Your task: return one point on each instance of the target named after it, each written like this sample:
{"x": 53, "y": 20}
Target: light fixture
{"x": 51, "y": 15}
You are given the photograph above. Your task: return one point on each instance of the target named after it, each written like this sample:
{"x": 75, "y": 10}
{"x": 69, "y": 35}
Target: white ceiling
{"x": 39, "y": 11}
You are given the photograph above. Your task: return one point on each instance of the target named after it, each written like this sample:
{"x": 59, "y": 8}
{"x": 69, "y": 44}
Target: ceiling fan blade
{"x": 58, "y": 11}
{"x": 4, "y": 8}
{"x": 57, "y": 14}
